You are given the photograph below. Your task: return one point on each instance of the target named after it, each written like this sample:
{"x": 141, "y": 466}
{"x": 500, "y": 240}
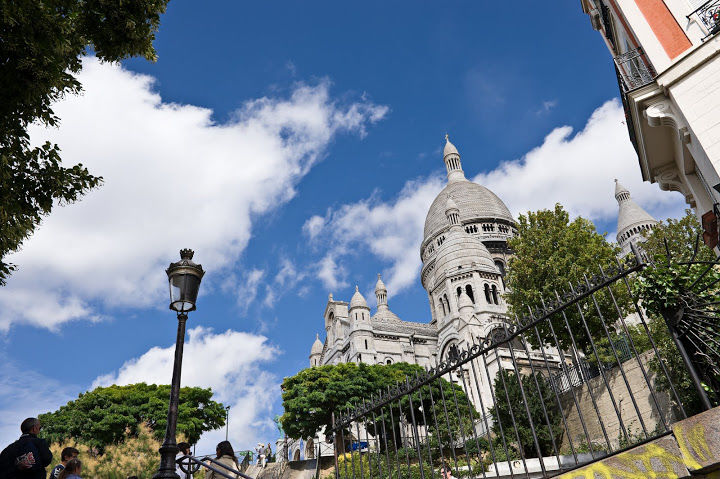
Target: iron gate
{"x": 588, "y": 375}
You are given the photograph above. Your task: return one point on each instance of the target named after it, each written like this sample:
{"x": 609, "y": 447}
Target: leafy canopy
{"x": 40, "y": 49}
{"x": 106, "y": 415}
{"x": 664, "y": 286}
{"x": 312, "y": 395}
{"x": 551, "y": 253}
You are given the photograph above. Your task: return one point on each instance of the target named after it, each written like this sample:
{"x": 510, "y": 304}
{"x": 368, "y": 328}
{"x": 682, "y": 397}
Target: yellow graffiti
{"x": 651, "y": 460}
{"x": 697, "y": 445}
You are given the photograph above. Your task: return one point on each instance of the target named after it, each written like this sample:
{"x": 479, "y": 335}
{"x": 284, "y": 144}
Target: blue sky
{"x": 296, "y": 147}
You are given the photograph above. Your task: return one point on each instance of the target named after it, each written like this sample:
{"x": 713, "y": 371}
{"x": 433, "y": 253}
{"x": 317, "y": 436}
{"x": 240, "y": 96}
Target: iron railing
{"x": 491, "y": 410}
{"x": 709, "y": 15}
{"x": 190, "y": 465}
{"x": 635, "y": 69}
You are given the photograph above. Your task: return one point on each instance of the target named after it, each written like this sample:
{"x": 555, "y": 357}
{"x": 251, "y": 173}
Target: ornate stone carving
{"x": 668, "y": 177}
{"x": 661, "y": 114}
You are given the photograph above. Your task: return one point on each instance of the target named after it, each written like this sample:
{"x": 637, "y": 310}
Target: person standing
{"x": 260, "y": 450}
{"x": 184, "y": 450}
{"x": 66, "y": 454}
{"x": 72, "y": 470}
{"x": 226, "y": 457}
{"x": 268, "y": 453}
{"x": 27, "y": 457}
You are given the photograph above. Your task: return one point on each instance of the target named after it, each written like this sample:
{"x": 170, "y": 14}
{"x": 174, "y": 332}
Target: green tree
{"x": 106, "y": 415}
{"x": 509, "y": 403}
{"x": 667, "y": 285}
{"x": 550, "y": 254}
{"x": 40, "y": 49}
{"x": 311, "y": 396}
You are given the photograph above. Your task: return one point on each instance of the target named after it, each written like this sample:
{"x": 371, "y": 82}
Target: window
{"x": 469, "y": 292}
{"x": 495, "y": 294}
{"x": 500, "y": 266}
{"x": 388, "y": 361}
{"x": 487, "y": 293}
{"x": 459, "y": 291}
{"x": 366, "y": 344}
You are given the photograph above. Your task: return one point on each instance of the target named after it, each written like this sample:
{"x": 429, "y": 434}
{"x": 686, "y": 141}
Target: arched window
{"x": 469, "y": 292}
{"x": 495, "y": 294}
{"x": 487, "y": 293}
{"x": 459, "y": 291}
{"x": 501, "y": 267}
{"x": 442, "y": 303}
{"x": 366, "y": 344}
{"x": 447, "y": 305}
{"x": 331, "y": 316}
{"x": 388, "y": 361}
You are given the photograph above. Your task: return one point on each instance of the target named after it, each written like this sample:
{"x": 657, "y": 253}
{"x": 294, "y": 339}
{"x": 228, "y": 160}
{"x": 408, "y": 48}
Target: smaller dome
{"x": 461, "y": 250}
{"x": 358, "y": 300}
{"x": 449, "y": 148}
{"x": 317, "y": 346}
{"x": 464, "y": 301}
{"x": 380, "y": 286}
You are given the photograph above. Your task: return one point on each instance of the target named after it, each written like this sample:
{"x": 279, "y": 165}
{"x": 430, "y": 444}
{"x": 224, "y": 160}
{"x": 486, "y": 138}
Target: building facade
{"x": 667, "y": 59}
{"x": 464, "y": 254}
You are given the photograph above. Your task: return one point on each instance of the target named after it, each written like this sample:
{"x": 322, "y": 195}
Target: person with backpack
{"x": 27, "y": 457}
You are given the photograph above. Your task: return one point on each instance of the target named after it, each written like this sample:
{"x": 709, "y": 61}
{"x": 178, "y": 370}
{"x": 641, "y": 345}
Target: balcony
{"x": 709, "y": 16}
{"x": 635, "y": 69}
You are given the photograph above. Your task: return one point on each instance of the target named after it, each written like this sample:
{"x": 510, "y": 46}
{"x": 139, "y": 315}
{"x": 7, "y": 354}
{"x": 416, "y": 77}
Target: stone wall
{"x": 692, "y": 450}
{"x": 623, "y": 399}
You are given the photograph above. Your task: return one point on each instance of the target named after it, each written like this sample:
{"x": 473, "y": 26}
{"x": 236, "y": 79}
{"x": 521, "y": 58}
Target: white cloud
{"x": 547, "y": 105}
{"x": 231, "y": 363}
{"x": 173, "y": 178}
{"x": 578, "y": 171}
{"x": 574, "y": 170}
{"x": 330, "y": 272}
{"x": 27, "y": 393}
{"x": 247, "y": 292}
{"x": 392, "y": 231}
{"x": 313, "y": 226}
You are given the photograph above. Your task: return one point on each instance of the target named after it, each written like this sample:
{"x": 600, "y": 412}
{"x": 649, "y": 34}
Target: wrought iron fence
{"x": 190, "y": 466}
{"x": 524, "y": 402}
{"x": 709, "y": 15}
{"x": 635, "y": 69}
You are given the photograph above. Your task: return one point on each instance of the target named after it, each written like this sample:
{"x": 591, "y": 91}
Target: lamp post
{"x": 184, "y": 278}
{"x": 227, "y": 421}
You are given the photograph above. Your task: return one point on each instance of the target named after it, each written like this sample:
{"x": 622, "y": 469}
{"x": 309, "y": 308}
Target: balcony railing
{"x": 635, "y": 69}
{"x": 709, "y": 15}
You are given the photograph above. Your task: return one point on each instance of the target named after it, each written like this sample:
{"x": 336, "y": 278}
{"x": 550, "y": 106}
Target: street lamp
{"x": 184, "y": 278}
{"x": 227, "y": 421}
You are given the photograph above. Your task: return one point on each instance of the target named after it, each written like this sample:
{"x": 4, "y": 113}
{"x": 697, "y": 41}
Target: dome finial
{"x": 451, "y": 157}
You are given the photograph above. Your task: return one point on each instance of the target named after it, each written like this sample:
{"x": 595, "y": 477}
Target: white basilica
{"x": 464, "y": 253}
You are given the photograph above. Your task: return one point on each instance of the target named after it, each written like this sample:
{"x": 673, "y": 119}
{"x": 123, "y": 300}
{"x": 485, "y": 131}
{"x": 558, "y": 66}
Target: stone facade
{"x": 667, "y": 57}
{"x": 639, "y": 396}
{"x": 464, "y": 254}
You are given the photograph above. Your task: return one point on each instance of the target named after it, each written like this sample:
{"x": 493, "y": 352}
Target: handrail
{"x": 203, "y": 462}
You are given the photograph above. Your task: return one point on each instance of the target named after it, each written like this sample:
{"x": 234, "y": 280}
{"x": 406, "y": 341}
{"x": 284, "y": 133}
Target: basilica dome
{"x": 474, "y": 202}
{"x": 460, "y": 250}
